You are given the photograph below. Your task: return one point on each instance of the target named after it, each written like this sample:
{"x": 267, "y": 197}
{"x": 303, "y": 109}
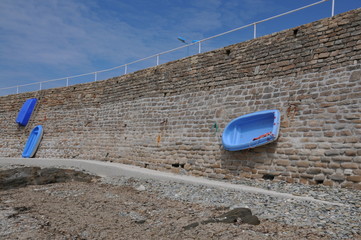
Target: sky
{"x": 42, "y": 40}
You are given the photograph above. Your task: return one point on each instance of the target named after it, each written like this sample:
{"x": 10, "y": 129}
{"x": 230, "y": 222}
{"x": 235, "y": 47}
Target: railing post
{"x": 157, "y": 59}
{"x": 333, "y": 8}
{"x": 17, "y": 89}
{"x": 254, "y": 30}
{"x": 95, "y": 76}
{"x": 199, "y": 47}
{"x": 67, "y": 81}
{"x": 40, "y": 85}
{"x": 125, "y": 69}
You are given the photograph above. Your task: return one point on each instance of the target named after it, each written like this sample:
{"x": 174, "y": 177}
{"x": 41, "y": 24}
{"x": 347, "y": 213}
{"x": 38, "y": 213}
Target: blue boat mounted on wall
{"x": 26, "y": 111}
{"x": 33, "y": 142}
{"x": 251, "y": 130}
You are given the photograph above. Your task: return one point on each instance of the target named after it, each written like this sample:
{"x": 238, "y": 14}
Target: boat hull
{"x": 26, "y": 111}
{"x": 33, "y": 142}
{"x": 251, "y": 130}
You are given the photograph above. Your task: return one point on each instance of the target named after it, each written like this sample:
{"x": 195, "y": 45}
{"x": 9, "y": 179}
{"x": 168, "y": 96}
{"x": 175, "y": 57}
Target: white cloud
{"x": 58, "y": 38}
{"x": 62, "y": 33}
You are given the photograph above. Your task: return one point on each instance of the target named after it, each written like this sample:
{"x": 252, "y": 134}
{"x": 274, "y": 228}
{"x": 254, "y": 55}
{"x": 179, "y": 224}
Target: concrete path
{"x": 109, "y": 169}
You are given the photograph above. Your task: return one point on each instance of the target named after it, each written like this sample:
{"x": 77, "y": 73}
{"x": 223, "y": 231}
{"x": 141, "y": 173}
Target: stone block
{"x": 318, "y": 152}
{"x": 356, "y": 179}
{"x": 352, "y": 139}
{"x": 329, "y": 183}
{"x": 324, "y": 55}
{"x": 290, "y": 151}
{"x": 245, "y": 175}
{"x": 313, "y": 170}
{"x": 302, "y": 169}
{"x": 311, "y": 146}
{"x": 329, "y": 134}
{"x": 350, "y": 165}
{"x": 304, "y": 175}
{"x": 337, "y": 177}
{"x": 342, "y": 159}
{"x": 221, "y": 171}
{"x": 332, "y": 152}
{"x": 302, "y": 164}
{"x": 328, "y": 171}
{"x": 303, "y": 180}
{"x": 334, "y": 98}
{"x": 216, "y": 165}
{"x": 319, "y": 177}
{"x": 292, "y": 169}
{"x": 304, "y": 152}
{"x": 314, "y": 158}
{"x": 350, "y": 152}
{"x": 256, "y": 176}
{"x": 282, "y": 162}
{"x": 320, "y": 165}
{"x": 294, "y": 157}
{"x": 347, "y": 185}
{"x": 355, "y": 76}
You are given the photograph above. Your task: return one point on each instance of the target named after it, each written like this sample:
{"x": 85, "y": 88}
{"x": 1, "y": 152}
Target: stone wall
{"x": 171, "y": 117}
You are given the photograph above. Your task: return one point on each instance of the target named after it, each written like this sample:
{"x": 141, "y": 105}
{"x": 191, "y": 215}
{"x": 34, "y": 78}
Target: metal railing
{"x": 157, "y": 56}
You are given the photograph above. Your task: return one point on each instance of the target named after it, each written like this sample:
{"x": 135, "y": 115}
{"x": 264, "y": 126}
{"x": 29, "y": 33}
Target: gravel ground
{"x": 131, "y": 208}
{"x": 333, "y": 222}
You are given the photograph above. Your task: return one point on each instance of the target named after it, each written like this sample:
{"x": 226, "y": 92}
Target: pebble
{"x": 336, "y": 222}
{"x": 140, "y": 188}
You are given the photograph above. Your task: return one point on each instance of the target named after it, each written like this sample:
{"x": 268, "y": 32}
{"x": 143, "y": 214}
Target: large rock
{"x": 232, "y": 216}
{"x": 21, "y": 177}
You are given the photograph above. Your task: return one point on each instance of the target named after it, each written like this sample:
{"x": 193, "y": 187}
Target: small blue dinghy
{"x": 251, "y": 130}
{"x": 26, "y": 111}
{"x": 33, "y": 142}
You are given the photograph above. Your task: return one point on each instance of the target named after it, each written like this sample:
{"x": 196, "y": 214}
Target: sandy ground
{"x": 95, "y": 210}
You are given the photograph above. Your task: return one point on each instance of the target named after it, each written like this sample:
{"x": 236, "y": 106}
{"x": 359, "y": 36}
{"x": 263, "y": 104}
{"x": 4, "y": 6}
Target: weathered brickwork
{"x": 171, "y": 117}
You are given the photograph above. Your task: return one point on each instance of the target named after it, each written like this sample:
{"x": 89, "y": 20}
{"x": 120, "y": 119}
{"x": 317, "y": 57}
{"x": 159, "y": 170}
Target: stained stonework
{"x": 171, "y": 117}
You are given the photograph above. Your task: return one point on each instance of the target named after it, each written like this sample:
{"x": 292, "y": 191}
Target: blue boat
{"x": 251, "y": 130}
{"x": 26, "y": 111}
{"x": 33, "y": 142}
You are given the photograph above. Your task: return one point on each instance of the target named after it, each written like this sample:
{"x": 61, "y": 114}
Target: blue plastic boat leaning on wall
{"x": 26, "y": 111}
{"x": 251, "y": 130}
{"x": 33, "y": 142}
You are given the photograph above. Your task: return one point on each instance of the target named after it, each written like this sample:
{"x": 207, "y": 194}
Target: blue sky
{"x": 42, "y": 40}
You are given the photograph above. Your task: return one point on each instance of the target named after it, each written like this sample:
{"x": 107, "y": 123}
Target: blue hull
{"x": 33, "y": 142}
{"x": 251, "y": 130}
{"x": 26, "y": 111}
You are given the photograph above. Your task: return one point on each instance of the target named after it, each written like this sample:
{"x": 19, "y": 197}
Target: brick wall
{"x": 165, "y": 117}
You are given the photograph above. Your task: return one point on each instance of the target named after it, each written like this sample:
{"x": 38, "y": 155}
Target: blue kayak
{"x": 251, "y": 130}
{"x": 33, "y": 142}
{"x": 26, "y": 111}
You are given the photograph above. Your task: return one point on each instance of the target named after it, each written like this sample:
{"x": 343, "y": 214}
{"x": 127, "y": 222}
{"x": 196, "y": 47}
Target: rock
{"x": 232, "y": 216}
{"x": 140, "y": 188}
{"x": 192, "y": 225}
{"x": 136, "y": 217}
{"x": 140, "y": 221}
{"x": 21, "y": 177}
{"x": 337, "y": 177}
{"x": 251, "y": 219}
